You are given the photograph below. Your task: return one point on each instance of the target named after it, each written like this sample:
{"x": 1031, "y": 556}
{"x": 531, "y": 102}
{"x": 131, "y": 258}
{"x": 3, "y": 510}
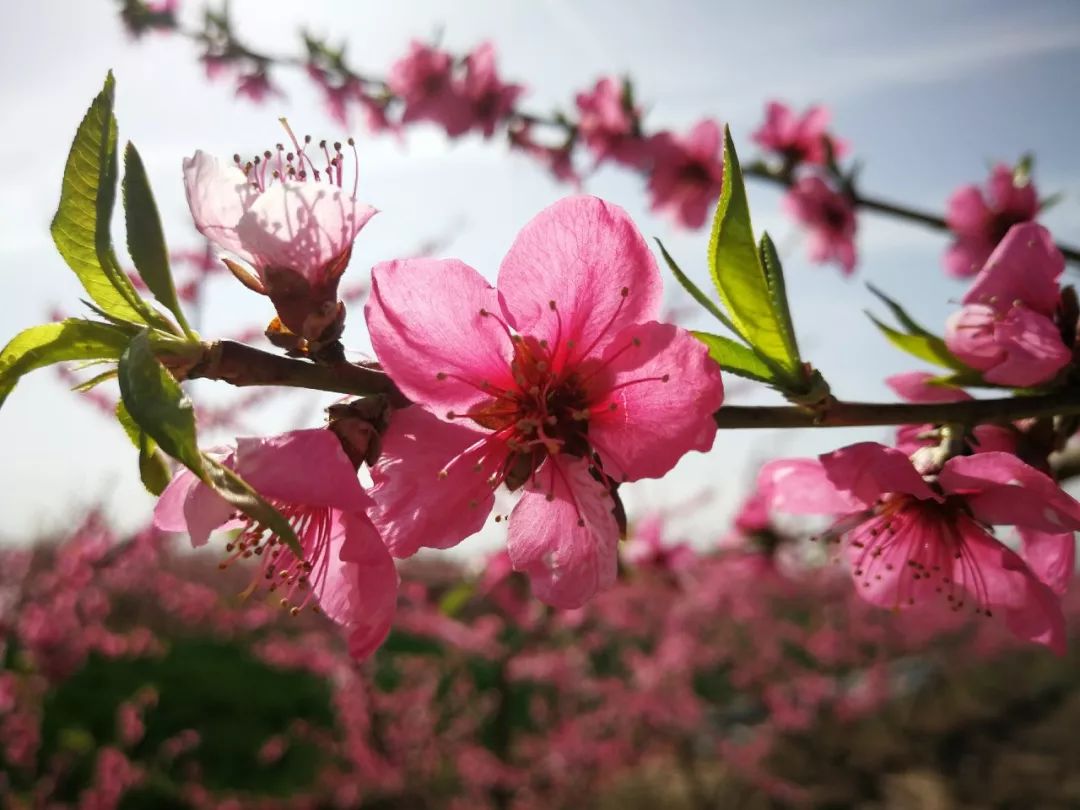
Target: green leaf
{"x": 145, "y": 238}
{"x": 924, "y": 346}
{"x": 159, "y": 407}
{"x": 95, "y": 381}
{"x": 49, "y": 343}
{"x": 695, "y": 291}
{"x": 900, "y": 314}
{"x": 153, "y": 464}
{"x": 736, "y": 358}
{"x": 239, "y": 493}
{"x": 80, "y": 228}
{"x": 737, "y": 271}
{"x": 774, "y": 275}
{"x": 157, "y": 404}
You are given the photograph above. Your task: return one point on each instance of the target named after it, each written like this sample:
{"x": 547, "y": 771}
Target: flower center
{"x": 300, "y": 164}
{"x": 279, "y": 570}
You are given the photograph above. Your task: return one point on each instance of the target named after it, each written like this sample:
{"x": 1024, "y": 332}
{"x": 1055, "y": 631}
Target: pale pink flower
{"x": 558, "y": 159}
{"x": 559, "y": 383}
{"x": 424, "y": 81}
{"x": 916, "y": 386}
{"x": 798, "y": 139}
{"x": 1006, "y": 328}
{"x": 648, "y": 548}
{"x": 609, "y": 125}
{"x": 980, "y": 218}
{"x": 256, "y": 86}
{"x": 287, "y": 215}
{"x": 687, "y": 173}
{"x": 911, "y": 539}
{"x": 489, "y": 98}
{"x": 345, "y": 569}
{"x": 830, "y": 218}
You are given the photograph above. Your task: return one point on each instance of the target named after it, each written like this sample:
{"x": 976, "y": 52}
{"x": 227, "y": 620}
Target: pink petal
{"x": 1025, "y": 267}
{"x": 969, "y": 335}
{"x": 218, "y": 195}
{"x": 301, "y": 226}
{"x": 965, "y": 257}
{"x": 372, "y": 586}
{"x": 917, "y": 386}
{"x": 966, "y": 212}
{"x": 187, "y": 504}
{"x": 704, "y": 139}
{"x": 1018, "y": 201}
{"x": 425, "y": 324}
{"x": 306, "y": 467}
{"x": 869, "y": 470}
{"x": 563, "y": 534}
{"x": 654, "y": 422}
{"x": 1052, "y": 557}
{"x": 1002, "y": 490}
{"x": 415, "y": 506}
{"x": 1032, "y": 348}
{"x": 801, "y": 487}
{"x": 579, "y": 253}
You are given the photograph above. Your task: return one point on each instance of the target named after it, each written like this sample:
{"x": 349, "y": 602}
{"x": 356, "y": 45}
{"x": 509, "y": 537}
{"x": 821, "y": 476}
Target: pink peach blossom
{"x": 687, "y": 173}
{"x": 1006, "y": 328}
{"x": 914, "y": 540}
{"x": 980, "y": 218}
{"x": 424, "y": 80}
{"x": 830, "y": 218}
{"x": 292, "y": 222}
{"x": 609, "y": 126}
{"x": 559, "y": 383}
{"x": 798, "y": 139}
{"x": 490, "y": 100}
{"x": 345, "y": 568}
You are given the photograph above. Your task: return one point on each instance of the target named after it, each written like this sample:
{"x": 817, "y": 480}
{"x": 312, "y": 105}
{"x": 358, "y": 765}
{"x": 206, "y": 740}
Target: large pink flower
{"x": 830, "y": 218}
{"x": 345, "y": 569}
{"x": 798, "y": 139}
{"x": 609, "y": 125}
{"x": 687, "y": 173}
{"x": 1006, "y": 327}
{"x": 559, "y": 382}
{"x": 288, "y": 216}
{"x": 980, "y": 219}
{"x": 912, "y": 539}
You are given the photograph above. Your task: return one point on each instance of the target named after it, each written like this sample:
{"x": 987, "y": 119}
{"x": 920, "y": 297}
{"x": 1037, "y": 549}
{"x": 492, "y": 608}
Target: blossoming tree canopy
{"x": 561, "y": 383}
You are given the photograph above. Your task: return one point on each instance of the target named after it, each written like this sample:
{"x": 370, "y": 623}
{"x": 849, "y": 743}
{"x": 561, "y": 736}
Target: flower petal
{"x": 868, "y": 470}
{"x": 1052, "y": 557}
{"x": 1002, "y": 490}
{"x": 580, "y": 253}
{"x": 654, "y": 401}
{"x": 414, "y": 505}
{"x": 800, "y": 486}
{"x": 372, "y": 582}
{"x": 1025, "y": 266}
{"x": 563, "y": 534}
{"x": 301, "y": 226}
{"x": 301, "y": 467}
{"x": 187, "y": 504}
{"x": 917, "y": 386}
{"x": 218, "y": 195}
{"x": 425, "y": 324}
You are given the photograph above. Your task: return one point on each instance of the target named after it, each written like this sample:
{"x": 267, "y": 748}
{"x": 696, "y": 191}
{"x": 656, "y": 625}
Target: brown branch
{"x": 242, "y": 365}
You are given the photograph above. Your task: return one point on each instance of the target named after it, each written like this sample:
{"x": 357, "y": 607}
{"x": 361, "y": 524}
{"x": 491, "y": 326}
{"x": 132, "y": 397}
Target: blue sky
{"x": 927, "y": 93}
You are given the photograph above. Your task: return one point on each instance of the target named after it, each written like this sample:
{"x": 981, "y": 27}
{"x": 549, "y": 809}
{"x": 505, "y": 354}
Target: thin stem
{"x": 242, "y": 365}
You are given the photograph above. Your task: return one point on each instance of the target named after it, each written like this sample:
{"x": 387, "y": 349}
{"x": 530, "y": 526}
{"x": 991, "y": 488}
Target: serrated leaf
{"x": 240, "y": 494}
{"x": 924, "y": 346}
{"x": 736, "y": 268}
{"x": 80, "y": 228}
{"x": 695, "y": 291}
{"x": 145, "y": 237}
{"x": 774, "y": 276}
{"x": 157, "y": 404}
{"x": 736, "y": 358}
{"x": 49, "y": 343}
